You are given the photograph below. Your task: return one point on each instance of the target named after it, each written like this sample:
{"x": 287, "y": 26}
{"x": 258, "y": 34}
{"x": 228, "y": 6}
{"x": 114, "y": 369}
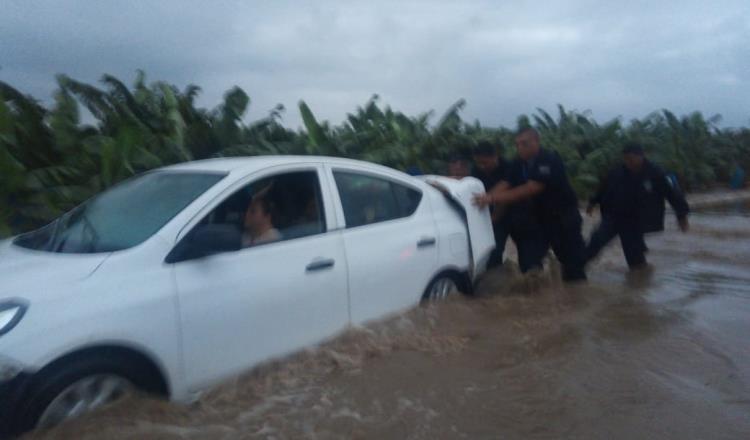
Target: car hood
{"x": 26, "y": 273}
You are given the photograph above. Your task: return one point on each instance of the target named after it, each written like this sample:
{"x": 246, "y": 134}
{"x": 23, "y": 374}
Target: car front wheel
{"x": 82, "y": 396}
{"x": 79, "y": 385}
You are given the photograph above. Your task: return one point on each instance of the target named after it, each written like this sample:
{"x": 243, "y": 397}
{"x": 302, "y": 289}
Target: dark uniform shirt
{"x": 493, "y": 178}
{"x": 639, "y": 198}
{"x": 558, "y": 197}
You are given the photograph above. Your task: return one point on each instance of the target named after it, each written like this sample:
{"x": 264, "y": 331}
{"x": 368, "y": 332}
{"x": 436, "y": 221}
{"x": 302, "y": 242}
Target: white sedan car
{"x": 181, "y": 277}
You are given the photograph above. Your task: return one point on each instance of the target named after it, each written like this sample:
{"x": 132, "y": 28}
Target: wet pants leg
{"x": 633, "y": 245}
{"x": 603, "y": 234}
{"x": 501, "y": 237}
{"x": 532, "y": 247}
{"x": 567, "y": 243}
{"x": 631, "y": 239}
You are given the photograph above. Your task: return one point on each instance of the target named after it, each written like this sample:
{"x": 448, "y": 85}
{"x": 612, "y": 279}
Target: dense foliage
{"x": 51, "y": 160}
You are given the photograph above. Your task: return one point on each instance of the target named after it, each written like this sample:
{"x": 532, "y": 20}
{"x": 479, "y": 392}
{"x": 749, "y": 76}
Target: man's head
{"x": 527, "y": 143}
{"x": 259, "y": 215}
{"x": 633, "y": 156}
{"x": 458, "y": 166}
{"x": 485, "y": 156}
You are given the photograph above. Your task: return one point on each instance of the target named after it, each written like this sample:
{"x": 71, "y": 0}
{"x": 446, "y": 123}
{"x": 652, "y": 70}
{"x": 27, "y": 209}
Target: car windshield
{"x": 123, "y": 216}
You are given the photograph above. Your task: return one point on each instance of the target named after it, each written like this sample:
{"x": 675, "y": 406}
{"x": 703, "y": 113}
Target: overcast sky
{"x": 624, "y": 58}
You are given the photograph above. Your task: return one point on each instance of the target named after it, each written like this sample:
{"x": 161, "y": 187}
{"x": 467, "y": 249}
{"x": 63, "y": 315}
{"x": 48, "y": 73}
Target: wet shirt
{"x": 547, "y": 168}
{"x": 619, "y": 195}
{"x": 639, "y": 197}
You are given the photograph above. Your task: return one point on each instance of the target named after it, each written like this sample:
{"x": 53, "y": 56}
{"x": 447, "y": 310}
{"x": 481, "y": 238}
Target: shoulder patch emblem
{"x": 544, "y": 169}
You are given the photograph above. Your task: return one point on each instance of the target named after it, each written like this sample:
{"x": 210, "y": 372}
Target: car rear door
{"x": 390, "y": 239}
{"x": 243, "y": 307}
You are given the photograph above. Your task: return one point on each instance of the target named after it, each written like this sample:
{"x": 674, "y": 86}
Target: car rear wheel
{"x": 442, "y": 287}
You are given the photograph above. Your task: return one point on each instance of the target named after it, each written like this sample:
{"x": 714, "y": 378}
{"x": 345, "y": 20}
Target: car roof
{"x": 252, "y": 163}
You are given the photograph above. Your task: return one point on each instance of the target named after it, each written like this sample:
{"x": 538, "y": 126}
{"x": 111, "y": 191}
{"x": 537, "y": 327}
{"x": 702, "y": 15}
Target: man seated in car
{"x": 259, "y": 227}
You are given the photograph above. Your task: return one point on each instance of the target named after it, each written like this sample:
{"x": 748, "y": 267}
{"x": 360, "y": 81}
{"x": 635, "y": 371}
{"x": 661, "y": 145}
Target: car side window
{"x": 367, "y": 199}
{"x": 276, "y": 208}
{"x": 408, "y": 198}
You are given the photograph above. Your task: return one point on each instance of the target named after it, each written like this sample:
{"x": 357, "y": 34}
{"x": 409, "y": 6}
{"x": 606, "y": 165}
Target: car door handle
{"x": 320, "y": 264}
{"x": 426, "y": 241}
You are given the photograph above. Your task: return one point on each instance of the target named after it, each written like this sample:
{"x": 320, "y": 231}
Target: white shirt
{"x": 270, "y": 235}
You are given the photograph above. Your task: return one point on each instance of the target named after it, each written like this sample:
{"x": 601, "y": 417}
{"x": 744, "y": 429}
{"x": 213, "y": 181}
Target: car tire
{"x": 443, "y": 286}
{"x": 60, "y": 379}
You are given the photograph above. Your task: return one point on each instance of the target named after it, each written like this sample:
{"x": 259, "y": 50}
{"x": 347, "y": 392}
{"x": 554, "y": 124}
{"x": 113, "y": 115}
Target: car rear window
{"x": 367, "y": 199}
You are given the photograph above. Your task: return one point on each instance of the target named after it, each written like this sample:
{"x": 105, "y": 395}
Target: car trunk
{"x": 478, "y": 222}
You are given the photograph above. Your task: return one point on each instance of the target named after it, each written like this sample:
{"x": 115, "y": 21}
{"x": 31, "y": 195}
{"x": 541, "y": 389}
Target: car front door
{"x": 241, "y": 307}
{"x": 390, "y": 238}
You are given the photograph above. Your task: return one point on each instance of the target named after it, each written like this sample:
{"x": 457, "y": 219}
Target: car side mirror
{"x": 206, "y": 240}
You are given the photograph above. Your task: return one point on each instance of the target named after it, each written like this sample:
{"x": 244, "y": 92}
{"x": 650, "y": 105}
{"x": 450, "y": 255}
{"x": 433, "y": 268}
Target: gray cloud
{"x": 504, "y": 58}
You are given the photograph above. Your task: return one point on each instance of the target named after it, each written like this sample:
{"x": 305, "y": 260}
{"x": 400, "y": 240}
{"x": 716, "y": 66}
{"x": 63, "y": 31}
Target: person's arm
{"x": 502, "y": 194}
{"x": 677, "y": 200}
{"x": 522, "y": 192}
{"x": 485, "y": 199}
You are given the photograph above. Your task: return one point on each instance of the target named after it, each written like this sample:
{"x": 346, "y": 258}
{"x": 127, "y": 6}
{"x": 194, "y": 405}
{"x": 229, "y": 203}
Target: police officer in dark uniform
{"x": 545, "y": 208}
{"x": 631, "y": 201}
{"x": 490, "y": 169}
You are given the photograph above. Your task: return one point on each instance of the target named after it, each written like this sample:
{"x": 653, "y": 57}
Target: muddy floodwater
{"x": 662, "y": 354}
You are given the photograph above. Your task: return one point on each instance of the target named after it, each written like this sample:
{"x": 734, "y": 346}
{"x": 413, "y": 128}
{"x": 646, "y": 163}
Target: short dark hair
{"x": 484, "y": 148}
{"x": 457, "y": 157}
{"x": 527, "y": 129}
{"x": 632, "y": 148}
{"x": 268, "y": 205}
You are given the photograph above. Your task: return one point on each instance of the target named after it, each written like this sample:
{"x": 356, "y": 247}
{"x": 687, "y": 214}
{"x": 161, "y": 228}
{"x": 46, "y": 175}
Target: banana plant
{"x": 94, "y": 136}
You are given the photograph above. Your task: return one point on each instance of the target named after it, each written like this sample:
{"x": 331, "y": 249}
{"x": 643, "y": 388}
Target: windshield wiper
{"x": 51, "y": 242}
{"x": 65, "y": 223}
{"x": 94, "y": 235}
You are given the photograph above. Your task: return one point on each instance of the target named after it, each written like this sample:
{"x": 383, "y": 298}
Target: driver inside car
{"x": 259, "y": 221}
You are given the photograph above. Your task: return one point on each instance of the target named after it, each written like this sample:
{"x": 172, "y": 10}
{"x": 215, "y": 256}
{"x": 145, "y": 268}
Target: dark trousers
{"x": 563, "y": 235}
{"x": 501, "y": 236}
{"x": 631, "y": 239}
